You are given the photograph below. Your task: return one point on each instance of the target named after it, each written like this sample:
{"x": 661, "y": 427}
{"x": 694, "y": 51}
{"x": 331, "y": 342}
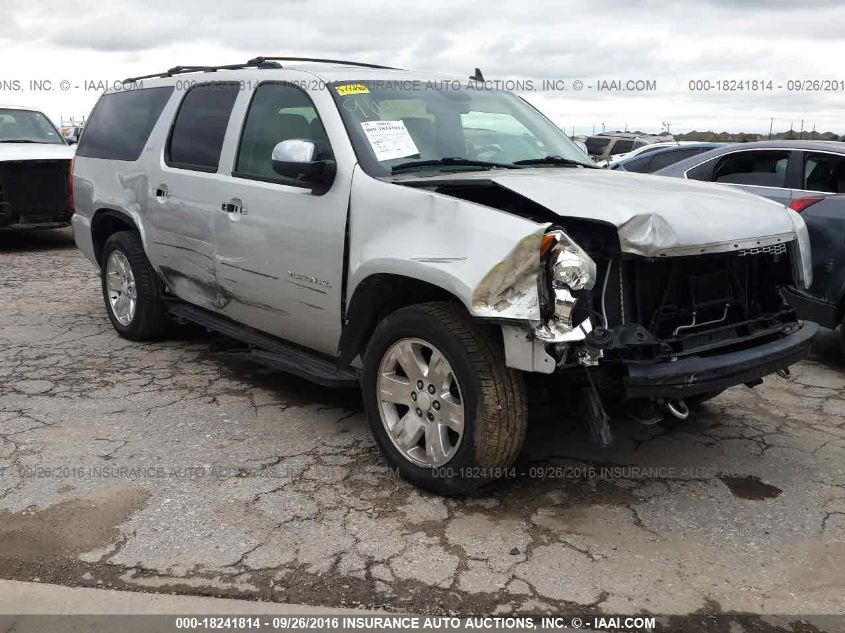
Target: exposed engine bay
{"x": 666, "y": 308}
{"x": 624, "y": 315}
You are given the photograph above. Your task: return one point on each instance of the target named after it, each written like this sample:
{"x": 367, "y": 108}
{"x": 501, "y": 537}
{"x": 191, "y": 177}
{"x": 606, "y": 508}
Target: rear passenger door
{"x": 186, "y": 192}
{"x": 821, "y": 172}
{"x": 280, "y": 247}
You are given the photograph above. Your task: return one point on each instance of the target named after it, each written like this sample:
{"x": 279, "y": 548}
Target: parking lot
{"x": 169, "y": 467}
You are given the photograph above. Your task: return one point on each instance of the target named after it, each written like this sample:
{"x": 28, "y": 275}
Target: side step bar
{"x": 268, "y": 350}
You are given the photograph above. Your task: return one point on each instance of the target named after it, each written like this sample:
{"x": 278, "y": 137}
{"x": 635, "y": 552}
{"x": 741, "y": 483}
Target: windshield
{"x": 27, "y": 126}
{"x": 413, "y": 126}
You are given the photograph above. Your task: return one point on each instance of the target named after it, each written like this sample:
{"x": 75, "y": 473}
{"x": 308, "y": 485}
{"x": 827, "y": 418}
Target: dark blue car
{"x": 824, "y": 301}
{"x": 648, "y": 162}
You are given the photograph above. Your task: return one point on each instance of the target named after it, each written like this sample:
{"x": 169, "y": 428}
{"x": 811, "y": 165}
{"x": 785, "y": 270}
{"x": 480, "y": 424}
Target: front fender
{"x": 487, "y": 258}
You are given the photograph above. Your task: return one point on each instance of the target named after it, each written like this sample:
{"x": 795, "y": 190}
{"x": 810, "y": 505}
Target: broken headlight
{"x": 569, "y": 269}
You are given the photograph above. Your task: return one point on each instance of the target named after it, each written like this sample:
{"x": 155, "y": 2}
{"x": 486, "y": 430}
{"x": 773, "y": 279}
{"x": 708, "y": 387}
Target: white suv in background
{"x": 34, "y": 171}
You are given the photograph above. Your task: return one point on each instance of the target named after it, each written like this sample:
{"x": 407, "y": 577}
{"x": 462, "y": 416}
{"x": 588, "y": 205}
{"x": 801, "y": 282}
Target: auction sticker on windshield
{"x": 389, "y": 139}
{"x": 352, "y": 89}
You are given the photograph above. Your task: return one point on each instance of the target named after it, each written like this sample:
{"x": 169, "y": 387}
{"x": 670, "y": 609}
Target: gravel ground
{"x": 170, "y": 467}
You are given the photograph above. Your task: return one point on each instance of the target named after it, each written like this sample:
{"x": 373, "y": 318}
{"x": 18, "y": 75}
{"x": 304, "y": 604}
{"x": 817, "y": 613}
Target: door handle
{"x": 161, "y": 192}
{"x": 233, "y": 206}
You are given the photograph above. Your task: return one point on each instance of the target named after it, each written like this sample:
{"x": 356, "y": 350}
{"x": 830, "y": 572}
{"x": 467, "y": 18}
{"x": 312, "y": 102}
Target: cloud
{"x": 670, "y": 42}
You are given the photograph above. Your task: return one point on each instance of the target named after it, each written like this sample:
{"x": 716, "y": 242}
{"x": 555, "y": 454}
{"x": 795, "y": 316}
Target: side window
{"x": 121, "y": 123}
{"x": 824, "y": 172}
{"x": 639, "y": 164}
{"x": 664, "y": 159}
{"x": 596, "y": 146}
{"x": 278, "y": 112}
{"x": 197, "y": 135}
{"x": 766, "y": 168}
{"x": 703, "y": 171}
{"x": 622, "y": 146}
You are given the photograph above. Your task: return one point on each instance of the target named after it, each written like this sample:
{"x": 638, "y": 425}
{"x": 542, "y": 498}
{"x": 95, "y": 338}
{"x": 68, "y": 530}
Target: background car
{"x": 72, "y": 134}
{"x": 779, "y": 170}
{"x": 34, "y": 171}
{"x": 610, "y": 146}
{"x": 649, "y": 159}
{"x": 824, "y": 301}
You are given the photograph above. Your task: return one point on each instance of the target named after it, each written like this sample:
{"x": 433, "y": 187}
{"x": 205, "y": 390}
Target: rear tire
{"x": 459, "y": 364}
{"x": 131, "y": 289}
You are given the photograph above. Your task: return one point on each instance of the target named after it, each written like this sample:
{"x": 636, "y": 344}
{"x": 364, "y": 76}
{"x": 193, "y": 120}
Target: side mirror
{"x": 70, "y": 141}
{"x": 294, "y": 158}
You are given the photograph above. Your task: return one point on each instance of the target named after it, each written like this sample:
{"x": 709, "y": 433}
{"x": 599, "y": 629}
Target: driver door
{"x": 280, "y": 248}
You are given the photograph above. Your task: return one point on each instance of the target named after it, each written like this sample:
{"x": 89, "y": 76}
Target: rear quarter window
{"x": 121, "y": 123}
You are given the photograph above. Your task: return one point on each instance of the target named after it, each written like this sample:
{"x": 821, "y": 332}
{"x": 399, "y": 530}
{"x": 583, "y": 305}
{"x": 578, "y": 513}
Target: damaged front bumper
{"x": 694, "y": 375}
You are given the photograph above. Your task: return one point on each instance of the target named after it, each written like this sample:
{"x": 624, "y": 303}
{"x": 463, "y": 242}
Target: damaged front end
{"x": 642, "y": 334}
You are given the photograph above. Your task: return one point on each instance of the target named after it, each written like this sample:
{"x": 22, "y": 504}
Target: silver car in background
{"x": 779, "y": 170}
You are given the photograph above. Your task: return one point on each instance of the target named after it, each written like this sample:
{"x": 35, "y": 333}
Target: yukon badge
{"x": 309, "y": 278}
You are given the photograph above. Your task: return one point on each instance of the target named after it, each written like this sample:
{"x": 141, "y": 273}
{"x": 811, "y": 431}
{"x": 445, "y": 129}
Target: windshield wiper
{"x": 19, "y": 140}
{"x": 449, "y": 162}
{"x": 551, "y": 160}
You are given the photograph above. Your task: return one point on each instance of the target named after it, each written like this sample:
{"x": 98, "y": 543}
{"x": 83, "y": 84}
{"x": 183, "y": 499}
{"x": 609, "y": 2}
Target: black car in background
{"x": 824, "y": 301}
{"x": 658, "y": 158}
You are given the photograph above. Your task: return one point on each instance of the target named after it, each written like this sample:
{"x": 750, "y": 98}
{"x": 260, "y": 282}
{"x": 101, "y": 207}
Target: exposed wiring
{"x": 604, "y": 293}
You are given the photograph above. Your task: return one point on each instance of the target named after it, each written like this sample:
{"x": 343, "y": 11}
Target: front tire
{"x": 131, "y": 289}
{"x": 442, "y": 405}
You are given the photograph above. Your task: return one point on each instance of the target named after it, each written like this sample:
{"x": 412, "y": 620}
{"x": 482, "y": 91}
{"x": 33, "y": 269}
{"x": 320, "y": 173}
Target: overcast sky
{"x": 671, "y": 43}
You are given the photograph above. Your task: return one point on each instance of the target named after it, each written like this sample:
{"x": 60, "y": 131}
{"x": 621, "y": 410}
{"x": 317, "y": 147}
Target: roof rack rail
{"x": 319, "y": 60}
{"x": 178, "y": 70}
{"x": 256, "y": 62}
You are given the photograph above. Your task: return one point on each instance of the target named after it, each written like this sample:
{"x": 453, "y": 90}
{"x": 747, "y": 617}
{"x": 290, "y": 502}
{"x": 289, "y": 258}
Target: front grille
{"x": 34, "y": 191}
{"x": 681, "y": 296}
{"x": 773, "y": 249}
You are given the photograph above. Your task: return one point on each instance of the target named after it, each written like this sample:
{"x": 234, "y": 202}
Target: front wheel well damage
{"x": 376, "y": 297}
{"x": 104, "y": 224}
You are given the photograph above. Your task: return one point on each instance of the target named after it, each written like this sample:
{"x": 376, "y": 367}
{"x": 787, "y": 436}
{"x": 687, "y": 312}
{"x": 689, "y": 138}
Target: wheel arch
{"x": 374, "y": 298}
{"x": 106, "y": 222}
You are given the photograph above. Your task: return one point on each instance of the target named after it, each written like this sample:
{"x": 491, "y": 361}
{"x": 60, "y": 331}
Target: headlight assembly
{"x": 570, "y": 269}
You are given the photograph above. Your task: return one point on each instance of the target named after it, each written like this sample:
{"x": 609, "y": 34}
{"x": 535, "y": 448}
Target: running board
{"x": 269, "y": 350}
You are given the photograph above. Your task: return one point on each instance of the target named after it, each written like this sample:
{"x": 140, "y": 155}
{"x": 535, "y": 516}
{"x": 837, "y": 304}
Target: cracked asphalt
{"x": 171, "y": 467}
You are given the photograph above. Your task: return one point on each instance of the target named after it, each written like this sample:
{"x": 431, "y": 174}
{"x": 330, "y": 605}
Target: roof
{"x": 269, "y": 67}
{"x": 836, "y": 145}
{"x": 630, "y": 135}
{"x": 300, "y": 72}
{"x": 18, "y": 107}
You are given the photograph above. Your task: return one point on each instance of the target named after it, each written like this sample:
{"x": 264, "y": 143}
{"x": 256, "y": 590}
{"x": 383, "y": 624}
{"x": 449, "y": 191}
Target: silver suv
{"x": 442, "y": 243}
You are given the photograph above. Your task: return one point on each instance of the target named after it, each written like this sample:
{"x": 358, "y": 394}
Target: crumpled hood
{"x": 655, "y": 215}
{"x": 34, "y": 151}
